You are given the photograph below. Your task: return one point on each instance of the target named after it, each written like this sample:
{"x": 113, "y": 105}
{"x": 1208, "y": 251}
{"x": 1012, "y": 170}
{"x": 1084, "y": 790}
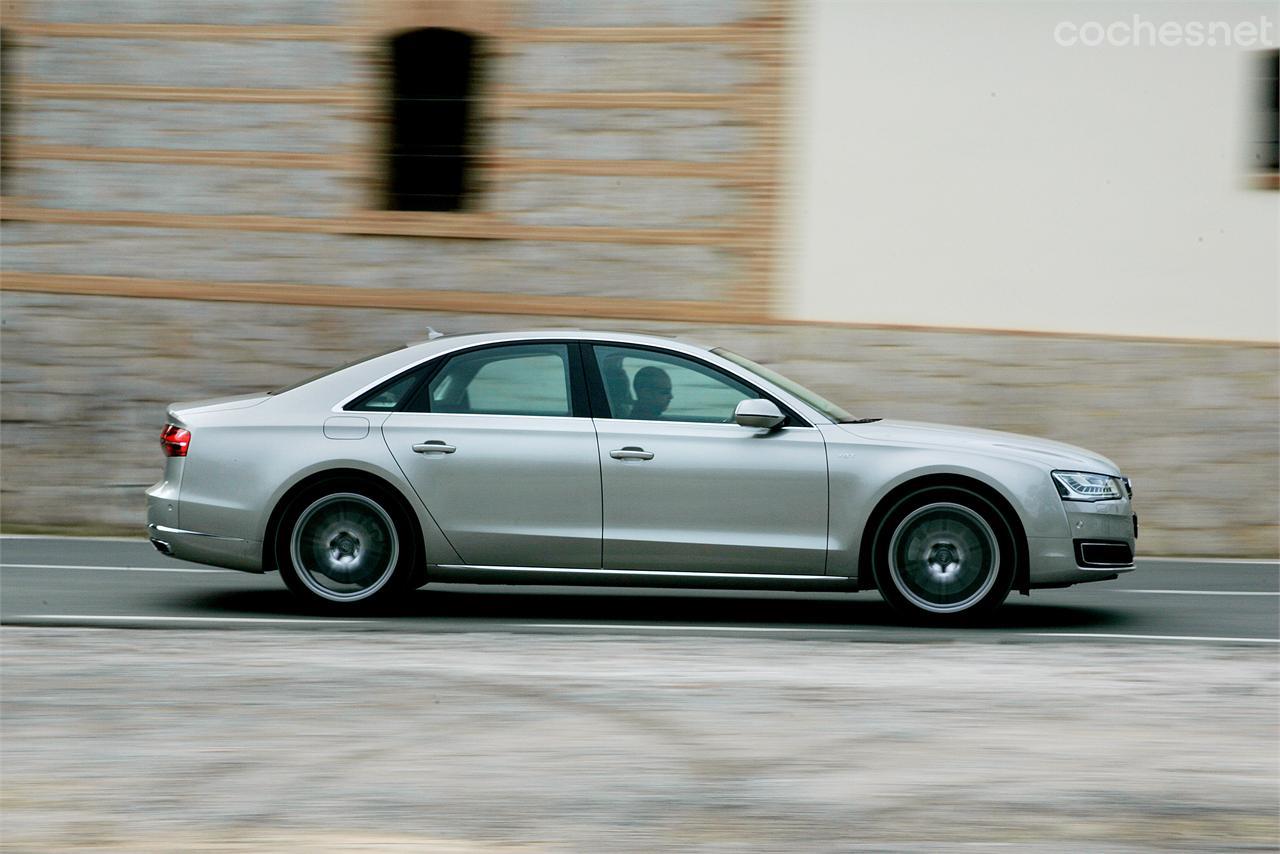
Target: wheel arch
{"x": 1022, "y": 566}
{"x": 315, "y": 479}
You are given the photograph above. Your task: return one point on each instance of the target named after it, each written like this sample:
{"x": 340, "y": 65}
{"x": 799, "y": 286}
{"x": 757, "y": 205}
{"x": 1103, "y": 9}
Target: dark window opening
{"x": 433, "y": 80}
{"x": 6, "y": 112}
{"x": 1265, "y": 154}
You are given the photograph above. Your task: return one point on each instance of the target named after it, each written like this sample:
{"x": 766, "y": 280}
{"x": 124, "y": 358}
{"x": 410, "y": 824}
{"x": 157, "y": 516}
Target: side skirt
{"x": 465, "y": 574}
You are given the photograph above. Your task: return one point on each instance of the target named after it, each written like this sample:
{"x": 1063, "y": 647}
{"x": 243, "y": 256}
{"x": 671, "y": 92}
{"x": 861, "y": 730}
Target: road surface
{"x": 124, "y": 583}
{"x": 154, "y": 706}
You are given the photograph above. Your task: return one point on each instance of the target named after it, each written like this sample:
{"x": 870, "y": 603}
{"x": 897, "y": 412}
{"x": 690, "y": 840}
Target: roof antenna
{"x": 432, "y": 334}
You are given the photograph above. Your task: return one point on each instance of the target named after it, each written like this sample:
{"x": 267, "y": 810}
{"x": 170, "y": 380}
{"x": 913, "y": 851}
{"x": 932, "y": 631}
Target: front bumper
{"x": 1101, "y": 533}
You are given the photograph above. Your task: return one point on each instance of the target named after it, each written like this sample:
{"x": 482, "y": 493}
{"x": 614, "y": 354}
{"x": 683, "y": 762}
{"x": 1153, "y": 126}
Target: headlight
{"x": 1083, "y": 486}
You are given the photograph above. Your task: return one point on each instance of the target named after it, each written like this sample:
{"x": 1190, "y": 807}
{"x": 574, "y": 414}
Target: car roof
{"x": 443, "y": 343}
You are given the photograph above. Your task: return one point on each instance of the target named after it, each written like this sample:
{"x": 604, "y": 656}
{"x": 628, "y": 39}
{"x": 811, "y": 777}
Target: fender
{"x": 861, "y": 475}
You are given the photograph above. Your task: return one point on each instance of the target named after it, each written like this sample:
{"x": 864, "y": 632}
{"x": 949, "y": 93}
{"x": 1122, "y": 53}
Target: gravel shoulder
{"x": 259, "y": 740}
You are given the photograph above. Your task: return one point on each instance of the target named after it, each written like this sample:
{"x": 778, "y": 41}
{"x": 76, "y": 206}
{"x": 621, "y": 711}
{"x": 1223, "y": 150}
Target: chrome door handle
{"x": 631, "y": 452}
{"x": 433, "y": 446}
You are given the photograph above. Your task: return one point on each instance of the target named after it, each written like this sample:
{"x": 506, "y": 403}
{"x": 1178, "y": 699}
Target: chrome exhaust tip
{"x": 162, "y": 547}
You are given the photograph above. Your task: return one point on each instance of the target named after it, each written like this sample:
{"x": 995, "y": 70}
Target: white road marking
{"x": 673, "y": 628}
{"x": 1207, "y": 592}
{"x": 1266, "y": 562}
{"x": 1270, "y": 563}
{"x": 676, "y": 628}
{"x": 104, "y": 618}
{"x": 110, "y": 568}
{"x": 1146, "y": 637}
{"x": 73, "y": 538}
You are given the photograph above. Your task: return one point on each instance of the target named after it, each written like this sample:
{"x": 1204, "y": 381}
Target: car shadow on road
{"x": 442, "y": 607}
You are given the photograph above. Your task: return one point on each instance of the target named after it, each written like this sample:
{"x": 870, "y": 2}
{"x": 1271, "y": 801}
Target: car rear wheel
{"x": 944, "y": 555}
{"x": 345, "y": 546}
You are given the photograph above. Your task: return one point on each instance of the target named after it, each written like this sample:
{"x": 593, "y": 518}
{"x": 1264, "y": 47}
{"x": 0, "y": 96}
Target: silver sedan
{"x": 605, "y": 458}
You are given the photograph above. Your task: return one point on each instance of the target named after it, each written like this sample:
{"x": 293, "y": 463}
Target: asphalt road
{"x": 1138, "y": 715}
{"x": 126, "y": 584}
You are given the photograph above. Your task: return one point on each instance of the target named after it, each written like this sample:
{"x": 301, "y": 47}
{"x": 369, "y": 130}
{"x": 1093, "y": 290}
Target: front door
{"x": 686, "y": 489}
{"x": 498, "y": 457}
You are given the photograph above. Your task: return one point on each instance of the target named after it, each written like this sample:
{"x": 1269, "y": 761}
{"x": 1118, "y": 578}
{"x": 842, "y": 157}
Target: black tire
{"x": 944, "y": 555}
{"x": 347, "y": 545}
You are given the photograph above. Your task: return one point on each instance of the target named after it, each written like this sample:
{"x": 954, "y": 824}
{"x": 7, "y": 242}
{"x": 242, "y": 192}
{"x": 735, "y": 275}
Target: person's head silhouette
{"x": 653, "y": 393}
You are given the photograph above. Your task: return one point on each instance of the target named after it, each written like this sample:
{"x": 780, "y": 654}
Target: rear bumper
{"x": 229, "y": 552}
{"x": 163, "y": 509}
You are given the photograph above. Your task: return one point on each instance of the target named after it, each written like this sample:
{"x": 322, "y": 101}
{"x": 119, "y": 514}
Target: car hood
{"x": 1057, "y": 455}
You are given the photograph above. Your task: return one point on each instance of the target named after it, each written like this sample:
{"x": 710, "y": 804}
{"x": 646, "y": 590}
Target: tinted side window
{"x": 387, "y": 398}
{"x": 651, "y": 386}
{"x": 524, "y": 379}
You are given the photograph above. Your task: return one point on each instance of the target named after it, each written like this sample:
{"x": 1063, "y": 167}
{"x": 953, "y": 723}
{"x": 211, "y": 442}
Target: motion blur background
{"x": 937, "y": 211}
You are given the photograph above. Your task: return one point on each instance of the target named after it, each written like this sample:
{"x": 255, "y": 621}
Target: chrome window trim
{"x": 703, "y": 354}
{"x": 486, "y": 415}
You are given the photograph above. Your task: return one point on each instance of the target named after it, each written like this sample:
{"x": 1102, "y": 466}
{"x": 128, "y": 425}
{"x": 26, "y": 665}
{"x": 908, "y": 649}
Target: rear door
{"x": 499, "y": 447}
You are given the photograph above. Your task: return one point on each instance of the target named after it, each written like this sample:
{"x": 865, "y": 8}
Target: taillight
{"x": 175, "y": 440}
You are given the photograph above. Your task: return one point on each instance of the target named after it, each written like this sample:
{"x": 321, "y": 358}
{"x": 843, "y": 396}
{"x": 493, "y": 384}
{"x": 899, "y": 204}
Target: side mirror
{"x": 760, "y": 413}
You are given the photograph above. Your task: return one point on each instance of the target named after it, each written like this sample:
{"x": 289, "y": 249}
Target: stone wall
{"x": 1197, "y": 426}
{"x": 184, "y": 188}
{"x": 602, "y": 200}
{"x": 160, "y": 62}
{"x": 629, "y": 134}
{"x": 552, "y": 67}
{"x": 241, "y": 12}
{"x": 636, "y": 13}
{"x": 114, "y": 123}
{"x": 364, "y": 261}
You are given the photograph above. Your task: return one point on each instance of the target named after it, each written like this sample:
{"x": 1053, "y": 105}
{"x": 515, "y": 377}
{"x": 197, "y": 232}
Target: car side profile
{"x": 615, "y": 459}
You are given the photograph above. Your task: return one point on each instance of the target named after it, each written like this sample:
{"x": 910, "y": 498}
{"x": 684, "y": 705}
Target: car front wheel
{"x": 944, "y": 554}
{"x": 345, "y": 546}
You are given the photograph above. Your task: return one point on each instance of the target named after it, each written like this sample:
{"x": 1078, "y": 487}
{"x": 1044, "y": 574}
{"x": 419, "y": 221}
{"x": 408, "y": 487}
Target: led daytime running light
{"x": 1086, "y": 486}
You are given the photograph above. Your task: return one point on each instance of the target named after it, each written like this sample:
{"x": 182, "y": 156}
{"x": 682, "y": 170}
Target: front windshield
{"x": 817, "y": 401}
